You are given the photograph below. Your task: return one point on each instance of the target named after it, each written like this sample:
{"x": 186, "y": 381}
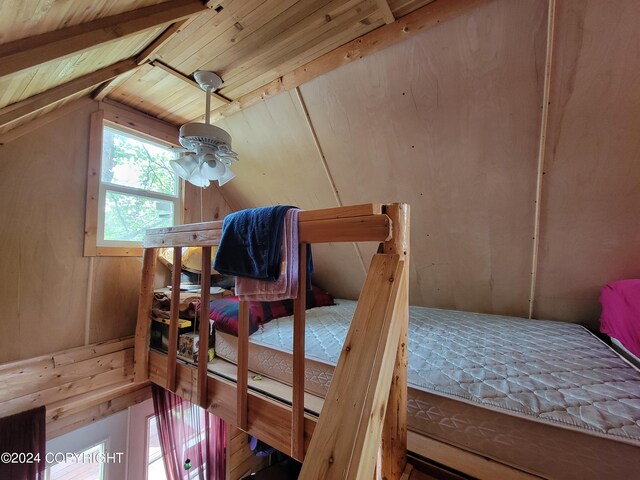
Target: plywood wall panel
{"x": 114, "y": 298}
{"x": 279, "y": 164}
{"x": 447, "y": 121}
{"x": 590, "y": 216}
{"x": 50, "y": 293}
{"x": 43, "y": 281}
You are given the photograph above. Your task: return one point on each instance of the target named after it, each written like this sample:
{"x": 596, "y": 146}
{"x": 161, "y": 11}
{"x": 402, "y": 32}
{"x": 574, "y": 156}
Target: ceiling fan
{"x": 208, "y": 148}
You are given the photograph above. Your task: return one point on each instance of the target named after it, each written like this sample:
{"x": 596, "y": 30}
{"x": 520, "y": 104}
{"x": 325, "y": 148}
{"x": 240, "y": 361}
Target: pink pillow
{"x": 620, "y": 316}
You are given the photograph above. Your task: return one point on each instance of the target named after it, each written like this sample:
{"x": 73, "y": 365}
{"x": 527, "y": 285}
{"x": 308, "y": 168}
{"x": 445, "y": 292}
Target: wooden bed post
{"x": 299, "y": 312}
{"x": 174, "y": 318}
{"x": 394, "y": 433}
{"x": 143, "y": 324}
{"x": 203, "y": 333}
{"x": 242, "y": 414}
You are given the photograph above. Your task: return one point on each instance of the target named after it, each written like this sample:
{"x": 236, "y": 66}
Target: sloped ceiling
{"x": 249, "y": 43}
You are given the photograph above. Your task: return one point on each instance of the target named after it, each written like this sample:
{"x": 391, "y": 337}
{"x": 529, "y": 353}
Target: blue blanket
{"x": 251, "y": 241}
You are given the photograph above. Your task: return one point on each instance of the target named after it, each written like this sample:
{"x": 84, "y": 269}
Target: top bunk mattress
{"x": 468, "y": 372}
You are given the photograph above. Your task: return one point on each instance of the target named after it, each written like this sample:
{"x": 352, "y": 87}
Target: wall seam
{"x": 551, "y": 12}
{"x": 325, "y": 165}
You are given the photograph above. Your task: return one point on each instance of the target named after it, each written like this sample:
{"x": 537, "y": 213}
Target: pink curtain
{"x": 23, "y": 438}
{"x": 189, "y": 435}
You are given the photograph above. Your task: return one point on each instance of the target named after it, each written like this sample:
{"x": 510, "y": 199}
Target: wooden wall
{"x": 241, "y": 460}
{"x": 590, "y": 222}
{"x": 450, "y": 121}
{"x": 52, "y": 297}
{"x": 77, "y": 385}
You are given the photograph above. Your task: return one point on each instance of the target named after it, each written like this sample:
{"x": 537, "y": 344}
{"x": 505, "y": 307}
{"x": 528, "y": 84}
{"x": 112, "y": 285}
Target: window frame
{"x": 137, "y": 124}
{"x": 104, "y": 444}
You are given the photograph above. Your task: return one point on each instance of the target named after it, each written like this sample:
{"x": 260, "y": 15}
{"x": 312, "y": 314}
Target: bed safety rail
{"x": 362, "y": 426}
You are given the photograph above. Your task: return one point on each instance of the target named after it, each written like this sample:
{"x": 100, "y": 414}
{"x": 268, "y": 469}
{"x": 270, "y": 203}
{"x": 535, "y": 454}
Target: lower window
{"x": 85, "y": 467}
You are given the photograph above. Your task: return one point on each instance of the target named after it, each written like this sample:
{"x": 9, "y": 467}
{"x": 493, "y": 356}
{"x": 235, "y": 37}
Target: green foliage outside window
{"x": 140, "y": 167}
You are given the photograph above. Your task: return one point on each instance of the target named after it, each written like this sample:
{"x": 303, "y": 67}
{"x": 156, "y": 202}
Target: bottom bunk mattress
{"x": 545, "y": 397}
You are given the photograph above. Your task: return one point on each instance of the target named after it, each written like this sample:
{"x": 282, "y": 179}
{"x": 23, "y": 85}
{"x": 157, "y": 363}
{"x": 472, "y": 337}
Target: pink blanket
{"x": 620, "y": 317}
{"x": 286, "y": 286}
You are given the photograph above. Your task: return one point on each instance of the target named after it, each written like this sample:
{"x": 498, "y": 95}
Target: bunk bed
{"x": 346, "y": 440}
{"x": 492, "y": 396}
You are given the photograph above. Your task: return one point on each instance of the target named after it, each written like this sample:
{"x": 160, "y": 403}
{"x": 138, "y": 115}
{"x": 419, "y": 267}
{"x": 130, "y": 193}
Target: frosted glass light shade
{"x": 228, "y": 176}
{"x": 198, "y": 179}
{"x": 184, "y": 166}
{"x": 211, "y": 168}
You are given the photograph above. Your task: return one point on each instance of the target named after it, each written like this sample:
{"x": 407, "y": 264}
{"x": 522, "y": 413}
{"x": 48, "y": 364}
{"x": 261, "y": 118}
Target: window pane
{"x": 155, "y": 464}
{"x": 85, "y": 469}
{"x": 135, "y": 162}
{"x": 127, "y": 217}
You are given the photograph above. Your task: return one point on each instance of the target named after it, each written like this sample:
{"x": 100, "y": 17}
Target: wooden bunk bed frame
{"x": 362, "y": 430}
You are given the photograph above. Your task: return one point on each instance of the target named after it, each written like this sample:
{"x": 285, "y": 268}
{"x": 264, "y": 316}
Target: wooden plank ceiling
{"x": 53, "y": 51}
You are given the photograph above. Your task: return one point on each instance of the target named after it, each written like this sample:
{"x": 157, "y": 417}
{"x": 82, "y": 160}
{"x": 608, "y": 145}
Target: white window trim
{"x": 138, "y": 442}
{"x": 103, "y": 471}
{"x": 137, "y": 124}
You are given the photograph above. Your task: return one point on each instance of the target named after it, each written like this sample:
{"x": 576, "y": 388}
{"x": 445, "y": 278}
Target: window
{"x": 131, "y": 185}
{"x": 155, "y": 464}
{"x": 138, "y": 188}
{"x": 83, "y": 468}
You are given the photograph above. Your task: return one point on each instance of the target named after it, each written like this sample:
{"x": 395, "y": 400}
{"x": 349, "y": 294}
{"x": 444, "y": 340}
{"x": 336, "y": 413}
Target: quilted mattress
{"x": 545, "y": 397}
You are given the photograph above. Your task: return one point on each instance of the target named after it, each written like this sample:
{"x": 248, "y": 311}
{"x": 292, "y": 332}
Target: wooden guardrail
{"x": 383, "y": 308}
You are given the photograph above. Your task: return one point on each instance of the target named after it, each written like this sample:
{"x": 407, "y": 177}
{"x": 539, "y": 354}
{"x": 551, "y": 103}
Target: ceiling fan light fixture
{"x": 211, "y": 144}
{"x": 194, "y": 135}
{"x": 207, "y": 80}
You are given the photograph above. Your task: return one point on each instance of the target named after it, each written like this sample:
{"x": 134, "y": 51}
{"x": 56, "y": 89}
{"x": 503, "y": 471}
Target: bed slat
{"x": 203, "y": 349}
{"x": 299, "y": 314}
{"x": 173, "y": 319}
{"x": 243, "y": 364}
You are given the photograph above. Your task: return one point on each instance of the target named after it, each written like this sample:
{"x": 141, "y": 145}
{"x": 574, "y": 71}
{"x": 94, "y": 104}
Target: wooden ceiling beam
{"x": 387, "y": 14}
{"x": 149, "y": 53}
{"x": 20, "y": 109}
{"x": 143, "y": 57}
{"x": 172, "y": 71}
{"x": 32, "y": 51}
{"x": 428, "y": 16}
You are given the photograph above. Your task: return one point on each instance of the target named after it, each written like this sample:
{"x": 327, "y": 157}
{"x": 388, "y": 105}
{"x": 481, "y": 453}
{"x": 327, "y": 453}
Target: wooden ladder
{"x": 369, "y": 383}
